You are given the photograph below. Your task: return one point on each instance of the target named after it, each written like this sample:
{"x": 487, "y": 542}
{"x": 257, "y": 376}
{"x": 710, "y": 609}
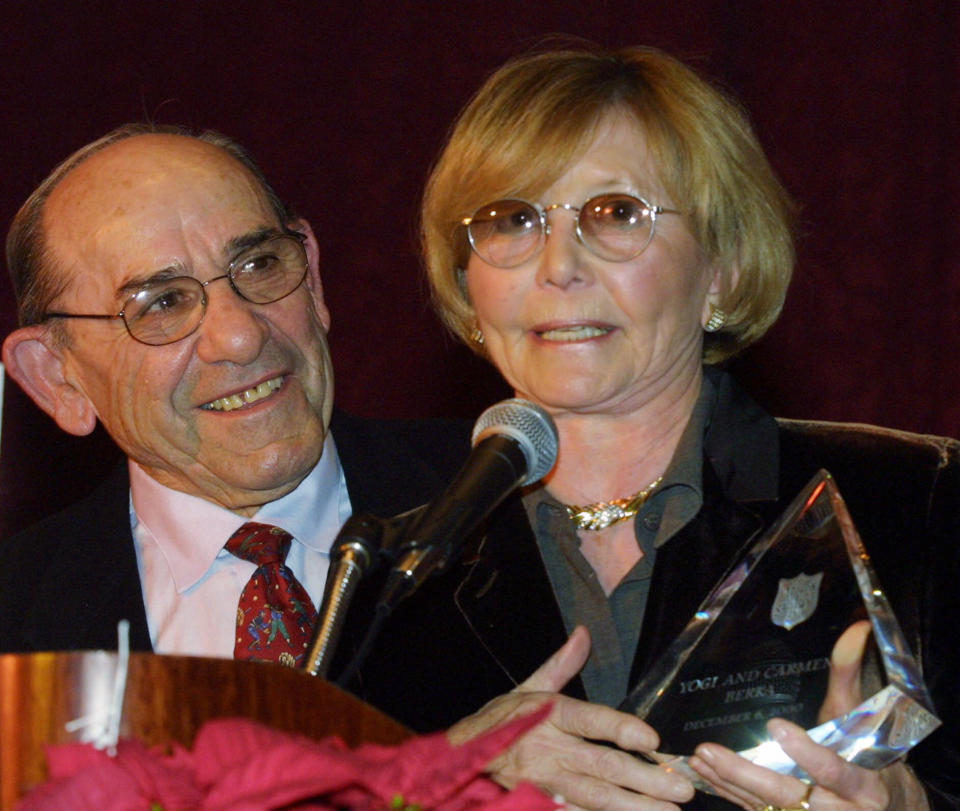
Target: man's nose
{"x": 233, "y": 329}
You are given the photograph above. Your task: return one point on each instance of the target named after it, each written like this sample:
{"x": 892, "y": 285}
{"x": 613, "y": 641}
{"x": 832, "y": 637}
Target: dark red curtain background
{"x": 345, "y": 105}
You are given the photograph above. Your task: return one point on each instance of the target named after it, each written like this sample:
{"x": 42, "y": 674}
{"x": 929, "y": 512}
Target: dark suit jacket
{"x": 66, "y": 582}
{"x": 482, "y": 627}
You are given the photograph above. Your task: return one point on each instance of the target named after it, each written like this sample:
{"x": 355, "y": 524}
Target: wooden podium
{"x": 167, "y": 699}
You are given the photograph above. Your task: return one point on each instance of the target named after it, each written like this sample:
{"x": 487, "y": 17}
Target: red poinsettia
{"x": 241, "y": 765}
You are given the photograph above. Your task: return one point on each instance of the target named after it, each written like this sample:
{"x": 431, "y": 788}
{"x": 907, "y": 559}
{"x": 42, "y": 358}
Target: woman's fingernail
{"x": 682, "y": 790}
{"x": 706, "y": 753}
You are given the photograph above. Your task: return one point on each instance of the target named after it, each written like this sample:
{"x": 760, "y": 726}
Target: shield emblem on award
{"x": 796, "y": 599}
{"x": 761, "y": 643}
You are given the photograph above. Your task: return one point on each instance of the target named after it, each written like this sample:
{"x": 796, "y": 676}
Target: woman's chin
{"x": 564, "y": 397}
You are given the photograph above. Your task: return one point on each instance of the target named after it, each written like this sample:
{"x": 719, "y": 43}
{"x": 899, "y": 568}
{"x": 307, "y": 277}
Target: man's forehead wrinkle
{"x": 80, "y": 245}
{"x": 66, "y": 239}
{"x": 147, "y": 207}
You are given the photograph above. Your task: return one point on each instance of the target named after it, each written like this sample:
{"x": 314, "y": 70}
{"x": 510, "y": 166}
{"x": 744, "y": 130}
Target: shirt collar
{"x": 741, "y": 442}
{"x": 312, "y": 513}
{"x": 680, "y": 495}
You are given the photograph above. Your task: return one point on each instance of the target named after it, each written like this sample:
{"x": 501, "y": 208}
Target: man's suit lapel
{"x": 391, "y": 467}
{"x": 80, "y": 599}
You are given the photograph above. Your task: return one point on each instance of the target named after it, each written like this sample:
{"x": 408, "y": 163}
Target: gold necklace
{"x": 603, "y": 514}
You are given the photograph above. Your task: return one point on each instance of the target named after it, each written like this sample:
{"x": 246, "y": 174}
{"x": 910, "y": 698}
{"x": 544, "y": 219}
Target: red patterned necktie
{"x": 275, "y": 616}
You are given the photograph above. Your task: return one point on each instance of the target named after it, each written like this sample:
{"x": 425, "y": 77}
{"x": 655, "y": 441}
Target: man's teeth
{"x": 579, "y": 333}
{"x": 234, "y": 401}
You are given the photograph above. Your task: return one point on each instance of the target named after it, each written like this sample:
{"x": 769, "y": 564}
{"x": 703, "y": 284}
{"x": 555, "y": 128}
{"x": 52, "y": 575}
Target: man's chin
{"x": 277, "y": 477}
{"x": 247, "y": 496}
{"x": 254, "y": 479}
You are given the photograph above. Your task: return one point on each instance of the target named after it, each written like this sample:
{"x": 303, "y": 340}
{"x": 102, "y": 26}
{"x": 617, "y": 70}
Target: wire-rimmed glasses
{"x": 615, "y": 227}
{"x": 169, "y": 309}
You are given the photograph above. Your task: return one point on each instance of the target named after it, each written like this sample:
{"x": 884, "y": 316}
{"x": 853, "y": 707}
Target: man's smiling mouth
{"x": 235, "y": 401}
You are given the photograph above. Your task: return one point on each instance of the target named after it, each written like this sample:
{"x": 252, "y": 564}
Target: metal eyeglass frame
{"x": 291, "y": 235}
{"x": 654, "y": 212}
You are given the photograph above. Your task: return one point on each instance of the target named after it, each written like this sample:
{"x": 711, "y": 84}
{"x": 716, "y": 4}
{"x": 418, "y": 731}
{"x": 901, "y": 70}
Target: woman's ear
{"x": 33, "y": 359}
{"x": 723, "y": 281}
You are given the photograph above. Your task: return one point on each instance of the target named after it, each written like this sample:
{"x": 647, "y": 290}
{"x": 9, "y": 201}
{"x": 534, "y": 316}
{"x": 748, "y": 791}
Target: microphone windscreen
{"x": 530, "y": 426}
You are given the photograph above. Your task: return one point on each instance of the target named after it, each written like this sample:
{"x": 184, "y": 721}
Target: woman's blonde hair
{"x": 536, "y": 114}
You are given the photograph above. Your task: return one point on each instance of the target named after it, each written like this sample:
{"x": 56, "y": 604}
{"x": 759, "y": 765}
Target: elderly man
{"x": 164, "y": 290}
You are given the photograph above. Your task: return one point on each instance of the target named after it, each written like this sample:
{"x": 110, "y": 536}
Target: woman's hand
{"x": 565, "y": 755}
{"x": 837, "y": 784}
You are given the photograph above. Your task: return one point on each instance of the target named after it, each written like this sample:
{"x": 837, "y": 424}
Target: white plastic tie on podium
{"x": 101, "y": 728}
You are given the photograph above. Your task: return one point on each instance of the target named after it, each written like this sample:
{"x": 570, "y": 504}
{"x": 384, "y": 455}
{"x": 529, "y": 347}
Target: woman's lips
{"x": 249, "y": 396}
{"x": 573, "y": 332}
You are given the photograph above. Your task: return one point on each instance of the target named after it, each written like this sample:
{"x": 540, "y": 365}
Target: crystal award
{"x": 760, "y": 647}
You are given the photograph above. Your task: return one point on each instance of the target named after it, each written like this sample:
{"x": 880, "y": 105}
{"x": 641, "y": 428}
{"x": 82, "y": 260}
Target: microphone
{"x": 362, "y": 543}
{"x": 353, "y": 553}
{"x": 514, "y": 443}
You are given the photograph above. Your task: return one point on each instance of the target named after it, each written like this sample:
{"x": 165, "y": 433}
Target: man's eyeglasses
{"x": 615, "y": 227}
{"x": 168, "y": 310}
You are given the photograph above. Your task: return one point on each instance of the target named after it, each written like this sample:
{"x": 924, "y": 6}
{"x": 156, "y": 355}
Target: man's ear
{"x": 313, "y": 269}
{"x": 36, "y": 363}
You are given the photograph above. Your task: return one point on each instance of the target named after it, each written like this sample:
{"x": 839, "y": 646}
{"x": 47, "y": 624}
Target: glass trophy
{"x": 760, "y": 647}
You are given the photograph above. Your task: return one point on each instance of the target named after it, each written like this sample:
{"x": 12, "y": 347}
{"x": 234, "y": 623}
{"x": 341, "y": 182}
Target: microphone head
{"x": 530, "y": 426}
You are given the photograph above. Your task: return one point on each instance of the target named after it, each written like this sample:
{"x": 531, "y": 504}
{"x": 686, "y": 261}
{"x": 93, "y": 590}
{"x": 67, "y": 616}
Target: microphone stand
{"x": 354, "y": 551}
{"x": 362, "y": 544}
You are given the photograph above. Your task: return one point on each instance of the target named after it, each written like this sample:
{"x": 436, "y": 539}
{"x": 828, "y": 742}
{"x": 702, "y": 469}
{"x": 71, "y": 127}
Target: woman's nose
{"x": 561, "y": 262}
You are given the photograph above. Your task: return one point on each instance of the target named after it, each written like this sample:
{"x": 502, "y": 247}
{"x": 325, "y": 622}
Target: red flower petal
{"x": 241, "y": 765}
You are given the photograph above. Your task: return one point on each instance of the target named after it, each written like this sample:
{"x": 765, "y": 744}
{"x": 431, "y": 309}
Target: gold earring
{"x": 717, "y": 319}
{"x": 477, "y": 336}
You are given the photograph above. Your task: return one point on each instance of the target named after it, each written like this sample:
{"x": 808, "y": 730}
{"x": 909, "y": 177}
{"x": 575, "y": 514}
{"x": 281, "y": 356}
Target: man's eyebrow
{"x": 249, "y": 240}
{"x": 231, "y": 250}
{"x": 137, "y": 283}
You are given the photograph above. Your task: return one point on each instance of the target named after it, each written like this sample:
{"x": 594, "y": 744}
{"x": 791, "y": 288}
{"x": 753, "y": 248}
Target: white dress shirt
{"x": 191, "y": 584}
